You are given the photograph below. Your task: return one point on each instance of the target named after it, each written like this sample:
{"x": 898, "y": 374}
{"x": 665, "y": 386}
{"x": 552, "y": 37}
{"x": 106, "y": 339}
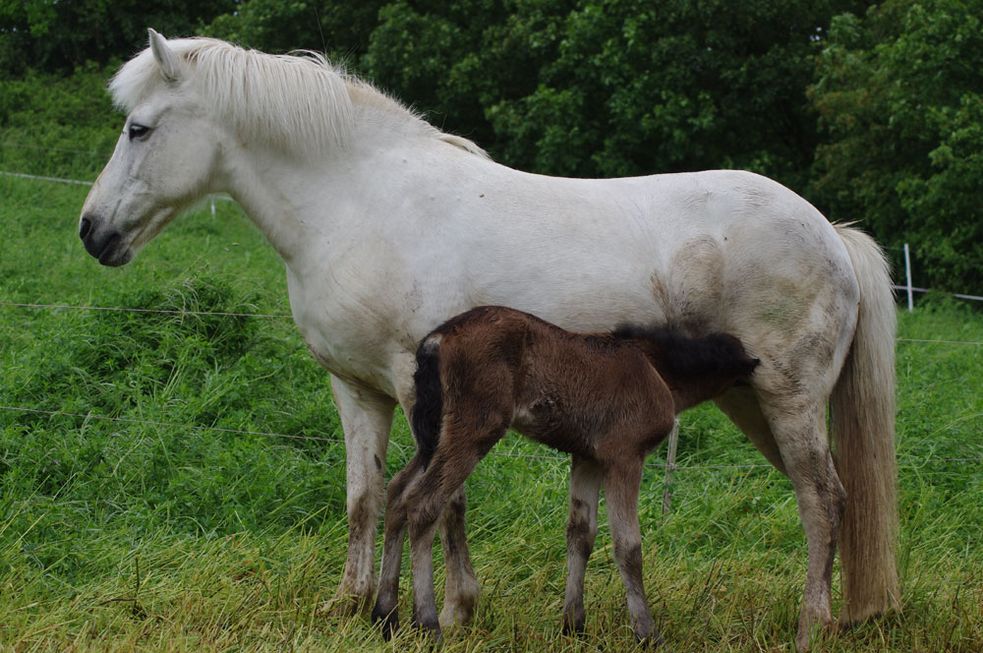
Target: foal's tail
{"x": 862, "y": 406}
{"x": 428, "y": 407}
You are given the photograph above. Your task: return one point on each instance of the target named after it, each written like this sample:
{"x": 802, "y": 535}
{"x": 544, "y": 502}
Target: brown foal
{"x": 607, "y": 399}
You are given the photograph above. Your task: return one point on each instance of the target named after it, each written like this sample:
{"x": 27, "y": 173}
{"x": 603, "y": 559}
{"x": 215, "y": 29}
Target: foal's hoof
{"x": 388, "y": 621}
{"x": 429, "y": 627}
{"x": 651, "y": 640}
{"x": 574, "y": 627}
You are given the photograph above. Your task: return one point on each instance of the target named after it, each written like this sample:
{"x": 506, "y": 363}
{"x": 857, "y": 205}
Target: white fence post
{"x": 212, "y": 198}
{"x": 670, "y": 467}
{"x": 907, "y": 271}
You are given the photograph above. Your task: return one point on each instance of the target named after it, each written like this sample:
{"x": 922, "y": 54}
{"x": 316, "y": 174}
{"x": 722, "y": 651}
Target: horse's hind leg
{"x": 740, "y": 404}
{"x": 585, "y": 482}
{"x": 621, "y": 484}
{"x": 461, "y": 586}
{"x": 386, "y": 604}
{"x": 800, "y": 432}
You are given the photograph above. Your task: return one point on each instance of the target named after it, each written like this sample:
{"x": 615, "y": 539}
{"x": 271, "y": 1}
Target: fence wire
{"x": 127, "y": 309}
{"x": 557, "y": 457}
{"x": 83, "y": 182}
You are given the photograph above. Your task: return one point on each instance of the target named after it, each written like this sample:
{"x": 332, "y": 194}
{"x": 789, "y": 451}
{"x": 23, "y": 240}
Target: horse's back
{"x": 708, "y": 251}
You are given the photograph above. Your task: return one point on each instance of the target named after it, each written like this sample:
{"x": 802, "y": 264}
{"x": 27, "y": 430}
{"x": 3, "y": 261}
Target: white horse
{"x": 388, "y": 227}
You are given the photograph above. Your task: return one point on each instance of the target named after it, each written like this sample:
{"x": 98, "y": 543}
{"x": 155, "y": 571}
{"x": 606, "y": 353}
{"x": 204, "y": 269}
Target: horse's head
{"x": 165, "y": 159}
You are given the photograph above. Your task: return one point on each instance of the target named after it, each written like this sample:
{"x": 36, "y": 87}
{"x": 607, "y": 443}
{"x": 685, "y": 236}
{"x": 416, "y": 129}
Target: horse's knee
{"x": 363, "y": 511}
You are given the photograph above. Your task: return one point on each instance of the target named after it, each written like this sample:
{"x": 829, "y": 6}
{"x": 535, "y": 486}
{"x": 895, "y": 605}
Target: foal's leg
{"x": 386, "y": 604}
{"x": 621, "y": 484}
{"x": 801, "y": 436}
{"x": 366, "y": 417}
{"x": 452, "y": 463}
{"x": 585, "y": 481}
{"x": 460, "y": 585}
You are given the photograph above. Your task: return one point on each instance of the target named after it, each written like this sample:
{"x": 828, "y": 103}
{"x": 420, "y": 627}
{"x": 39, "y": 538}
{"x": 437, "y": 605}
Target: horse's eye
{"x": 136, "y": 132}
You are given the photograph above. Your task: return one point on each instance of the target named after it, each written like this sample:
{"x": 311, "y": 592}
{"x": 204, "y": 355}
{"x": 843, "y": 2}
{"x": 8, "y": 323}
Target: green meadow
{"x": 172, "y": 478}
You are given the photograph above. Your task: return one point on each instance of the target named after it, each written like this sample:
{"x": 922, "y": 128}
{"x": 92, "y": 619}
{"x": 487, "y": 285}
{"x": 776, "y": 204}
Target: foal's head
{"x": 695, "y": 369}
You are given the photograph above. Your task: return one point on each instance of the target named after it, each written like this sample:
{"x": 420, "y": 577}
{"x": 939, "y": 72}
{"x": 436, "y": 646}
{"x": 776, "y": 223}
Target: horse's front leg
{"x": 386, "y": 606}
{"x": 366, "y": 417}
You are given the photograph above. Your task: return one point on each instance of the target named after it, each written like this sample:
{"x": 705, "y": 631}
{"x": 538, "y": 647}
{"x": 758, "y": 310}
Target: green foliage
{"x": 621, "y": 87}
{"x": 180, "y": 377}
{"x": 57, "y": 36}
{"x": 900, "y": 97}
{"x": 340, "y": 29}
{"x": 56, "y": 125}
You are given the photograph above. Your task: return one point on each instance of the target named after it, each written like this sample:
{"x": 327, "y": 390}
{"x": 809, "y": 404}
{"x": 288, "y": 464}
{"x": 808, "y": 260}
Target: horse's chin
{"x": 116, "y": 258}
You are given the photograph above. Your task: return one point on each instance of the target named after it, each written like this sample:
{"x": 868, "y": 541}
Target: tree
{"x": 900, "y": 96}
{"x": 340, "y": 29}
{"x": 613, "y": 87}
{"x": 58, "y": 36}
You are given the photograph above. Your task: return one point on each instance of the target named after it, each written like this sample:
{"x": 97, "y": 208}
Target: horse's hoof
{"x": 812, "y": 631}
{"x": 457, "y": 613}
{"x": 387, "y": 620}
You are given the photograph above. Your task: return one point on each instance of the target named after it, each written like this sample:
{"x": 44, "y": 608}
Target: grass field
{"x": 132, "y": 517}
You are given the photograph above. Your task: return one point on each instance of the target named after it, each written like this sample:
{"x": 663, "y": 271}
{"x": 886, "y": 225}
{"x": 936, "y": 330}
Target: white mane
{"x": 300, "y": 102}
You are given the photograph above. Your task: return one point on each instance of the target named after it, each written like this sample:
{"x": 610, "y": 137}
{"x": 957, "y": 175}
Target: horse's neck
{"x": 258, "y": 185}
{"x": 299, "y": 204}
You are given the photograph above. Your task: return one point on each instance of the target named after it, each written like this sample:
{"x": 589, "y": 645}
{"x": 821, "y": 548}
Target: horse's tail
{"x": 429, "y": 404}
{"x": 862, "y": 407}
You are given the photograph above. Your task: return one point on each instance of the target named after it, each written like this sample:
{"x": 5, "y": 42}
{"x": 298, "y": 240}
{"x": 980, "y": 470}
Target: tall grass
{"x": 155, "y": 503}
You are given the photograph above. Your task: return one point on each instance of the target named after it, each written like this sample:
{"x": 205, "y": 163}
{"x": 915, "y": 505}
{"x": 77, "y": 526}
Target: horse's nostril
{"x": 84, "y": 227}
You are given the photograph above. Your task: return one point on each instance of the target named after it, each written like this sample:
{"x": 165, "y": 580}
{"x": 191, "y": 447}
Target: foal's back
{"x": 570, "y": 391}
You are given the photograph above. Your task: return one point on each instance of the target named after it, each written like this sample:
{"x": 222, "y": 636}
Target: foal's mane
{"x": 681, "y": 357}
{"x": 296, "y": 101}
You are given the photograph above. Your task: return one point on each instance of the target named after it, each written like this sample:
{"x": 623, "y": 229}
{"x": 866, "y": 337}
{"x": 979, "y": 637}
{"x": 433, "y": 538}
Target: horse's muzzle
{"x": 103, "y": 244}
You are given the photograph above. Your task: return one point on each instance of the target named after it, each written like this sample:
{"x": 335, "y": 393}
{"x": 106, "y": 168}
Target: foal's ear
{"x": 170, "y": 65}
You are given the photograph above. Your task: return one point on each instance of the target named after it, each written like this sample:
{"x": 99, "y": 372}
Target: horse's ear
{"x": 170, "y": 65}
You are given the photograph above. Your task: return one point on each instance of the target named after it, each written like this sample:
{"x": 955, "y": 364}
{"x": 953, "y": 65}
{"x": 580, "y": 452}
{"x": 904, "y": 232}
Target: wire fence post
{"x": 212, "y": 199}
{"x": 670, "y": 467}
{"x": 907, "y": 271}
